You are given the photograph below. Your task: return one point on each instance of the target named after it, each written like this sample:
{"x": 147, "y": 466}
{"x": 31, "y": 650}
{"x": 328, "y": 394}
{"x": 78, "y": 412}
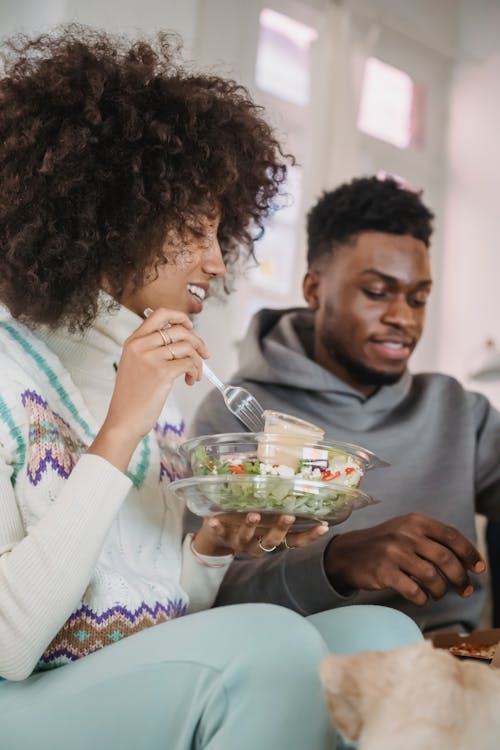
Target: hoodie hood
{"x": 277, "y": 351}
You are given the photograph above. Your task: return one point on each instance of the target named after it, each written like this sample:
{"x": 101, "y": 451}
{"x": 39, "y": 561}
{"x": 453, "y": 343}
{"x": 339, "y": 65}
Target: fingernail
{"x": 322, "y": 530}
{"x": 479, "y": 567}
{"x": 467, "y": 591}
{"x": 147, "y": 312}
{"x": 213, "y": 522}
{"x": 288, "y": 519}
{"x": 253, "y": 518}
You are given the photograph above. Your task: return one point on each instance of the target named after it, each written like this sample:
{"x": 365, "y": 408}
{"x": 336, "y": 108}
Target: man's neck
{"x": 341, "y": 371}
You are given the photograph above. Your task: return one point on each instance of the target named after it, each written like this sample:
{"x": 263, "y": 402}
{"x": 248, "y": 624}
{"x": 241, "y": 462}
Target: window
{"x": 282, "y": 66}
{"x": 276, "y": 250}
{"x": 391, "y": 106}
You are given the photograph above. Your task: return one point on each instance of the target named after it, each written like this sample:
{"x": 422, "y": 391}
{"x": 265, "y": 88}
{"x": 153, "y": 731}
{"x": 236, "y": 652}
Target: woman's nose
{"x": 213, "y": 263}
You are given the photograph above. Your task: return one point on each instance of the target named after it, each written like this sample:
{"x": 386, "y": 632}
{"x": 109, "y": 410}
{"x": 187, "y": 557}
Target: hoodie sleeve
{"x": 292, "y": 578}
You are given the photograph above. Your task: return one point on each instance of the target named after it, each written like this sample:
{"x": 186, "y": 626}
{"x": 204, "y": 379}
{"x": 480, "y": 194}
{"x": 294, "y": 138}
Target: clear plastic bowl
{"x": 307, "y": 500}
{"x": 263, "y": 454}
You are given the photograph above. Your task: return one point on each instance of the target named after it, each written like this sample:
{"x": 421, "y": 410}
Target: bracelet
{"x": 200, "y": 560}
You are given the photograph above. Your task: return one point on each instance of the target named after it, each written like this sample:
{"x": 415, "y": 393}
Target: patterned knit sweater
{"x": 88, "y": 555}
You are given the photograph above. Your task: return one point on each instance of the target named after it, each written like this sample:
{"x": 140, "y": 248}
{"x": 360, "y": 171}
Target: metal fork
{"x": 239, "y": 401}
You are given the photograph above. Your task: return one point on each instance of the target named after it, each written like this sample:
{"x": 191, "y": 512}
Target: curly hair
{"x": 366, "y": 204}
{"x": 107, "y": 147}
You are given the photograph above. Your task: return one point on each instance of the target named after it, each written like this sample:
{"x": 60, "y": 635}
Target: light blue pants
{"x": 242, "y": 677}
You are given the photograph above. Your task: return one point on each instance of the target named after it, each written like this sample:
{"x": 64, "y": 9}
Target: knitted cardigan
{"x": 88, "y": 555}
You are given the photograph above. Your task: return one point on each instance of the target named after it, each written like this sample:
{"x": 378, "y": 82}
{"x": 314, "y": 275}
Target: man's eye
{"x": 372, "y": 294}
{"x": 417, "y": 301}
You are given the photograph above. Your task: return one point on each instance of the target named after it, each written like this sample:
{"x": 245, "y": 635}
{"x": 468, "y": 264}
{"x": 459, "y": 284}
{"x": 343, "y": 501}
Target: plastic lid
{"x": 277, "y": 423}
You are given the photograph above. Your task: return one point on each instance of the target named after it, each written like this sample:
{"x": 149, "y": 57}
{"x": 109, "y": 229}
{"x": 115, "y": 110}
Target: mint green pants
{"x": 240, "y": 677}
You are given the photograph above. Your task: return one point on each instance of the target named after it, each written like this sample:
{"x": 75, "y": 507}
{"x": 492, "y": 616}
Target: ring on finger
{"x": 265, "y": 549}
{"x": 288, "y": 546}
{"x": 171, "y": 351}
{"x": 167, "y": 339}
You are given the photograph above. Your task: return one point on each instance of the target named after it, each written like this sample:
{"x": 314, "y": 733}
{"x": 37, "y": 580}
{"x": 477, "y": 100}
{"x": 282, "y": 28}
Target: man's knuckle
{"x": 393, "y": 546}
{"x": 450, "y": 534}
{"x": 444, "y": 557}
{"x": 429, "y": 574}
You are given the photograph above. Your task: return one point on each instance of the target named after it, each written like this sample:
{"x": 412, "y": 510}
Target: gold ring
{"x": 265, "y": 549}
{"x": 165, "y": 336}
{"x": 171, "y": 351}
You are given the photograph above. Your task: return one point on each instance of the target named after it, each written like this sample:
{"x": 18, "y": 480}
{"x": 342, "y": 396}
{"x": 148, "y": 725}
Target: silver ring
{"x": 286, "y": 545}
{"x": 265, "y": 549}
{"x": 167, "y": 339}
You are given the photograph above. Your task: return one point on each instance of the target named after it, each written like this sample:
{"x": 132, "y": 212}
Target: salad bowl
{"x": 309, "y": 500}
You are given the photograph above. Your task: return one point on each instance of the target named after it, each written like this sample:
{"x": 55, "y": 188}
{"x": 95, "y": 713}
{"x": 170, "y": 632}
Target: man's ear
{"x": 310, "y": 289}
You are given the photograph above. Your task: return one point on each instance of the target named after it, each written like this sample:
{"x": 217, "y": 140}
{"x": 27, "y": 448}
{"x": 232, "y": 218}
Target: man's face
{"x": 369, "y": 297}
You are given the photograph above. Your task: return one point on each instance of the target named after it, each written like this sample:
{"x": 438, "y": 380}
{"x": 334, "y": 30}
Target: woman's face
{"x": 182, "y": 284}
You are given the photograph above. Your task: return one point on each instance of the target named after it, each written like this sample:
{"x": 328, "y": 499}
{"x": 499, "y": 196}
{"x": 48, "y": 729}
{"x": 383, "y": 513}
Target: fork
{"x": 239, "y": 401}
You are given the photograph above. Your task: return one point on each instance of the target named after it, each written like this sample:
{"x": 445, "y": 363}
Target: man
{"x": 342, "y": 364}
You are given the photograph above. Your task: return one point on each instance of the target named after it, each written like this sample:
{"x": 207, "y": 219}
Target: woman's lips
{"x": 197, "y": 294}
{"x": 195, "y": 303}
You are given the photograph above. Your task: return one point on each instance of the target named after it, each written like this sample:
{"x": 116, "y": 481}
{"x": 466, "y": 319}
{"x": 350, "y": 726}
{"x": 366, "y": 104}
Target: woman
{"x": 126, "y": 185}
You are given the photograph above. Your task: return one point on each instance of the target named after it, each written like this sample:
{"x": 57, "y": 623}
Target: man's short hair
{"x": 366, "y": 204}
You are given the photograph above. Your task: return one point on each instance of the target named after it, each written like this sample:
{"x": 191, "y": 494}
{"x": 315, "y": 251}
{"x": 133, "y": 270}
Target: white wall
{"x": 123, "y": 16}
{"x": 29, "y": 15}
{"x": 135, "y": 16}
{"x": 470, "y": 311}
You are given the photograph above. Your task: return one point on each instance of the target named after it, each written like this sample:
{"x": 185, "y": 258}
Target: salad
{"x": 322, "y": 464}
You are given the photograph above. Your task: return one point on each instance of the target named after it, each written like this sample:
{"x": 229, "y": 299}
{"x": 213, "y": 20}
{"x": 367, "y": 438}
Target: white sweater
{"x": 88, "y": 555}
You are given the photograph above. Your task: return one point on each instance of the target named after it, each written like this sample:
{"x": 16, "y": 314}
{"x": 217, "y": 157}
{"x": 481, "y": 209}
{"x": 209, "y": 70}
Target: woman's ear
{"x": 310, "y": 289}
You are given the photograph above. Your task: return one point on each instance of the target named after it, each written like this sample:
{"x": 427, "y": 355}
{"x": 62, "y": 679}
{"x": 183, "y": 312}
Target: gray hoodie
{"x": 442, "y": 443}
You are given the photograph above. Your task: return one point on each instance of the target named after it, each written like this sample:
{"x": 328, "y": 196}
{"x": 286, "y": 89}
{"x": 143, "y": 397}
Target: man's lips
{"x": 395, "y": 349}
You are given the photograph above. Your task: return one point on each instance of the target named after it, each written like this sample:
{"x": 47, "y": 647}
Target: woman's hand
{"x": 251, "y": 534}
{"x": 150, "y": 363}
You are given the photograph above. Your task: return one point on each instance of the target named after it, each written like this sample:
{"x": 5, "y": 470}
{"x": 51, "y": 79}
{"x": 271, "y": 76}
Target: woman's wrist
{"x": 209, "y": 560}
{"x": 204, "y": 545}
{"x": 115, "y": 445}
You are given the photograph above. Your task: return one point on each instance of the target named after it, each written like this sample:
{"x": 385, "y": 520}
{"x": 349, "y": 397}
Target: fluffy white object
{"x": 414, "y": 697}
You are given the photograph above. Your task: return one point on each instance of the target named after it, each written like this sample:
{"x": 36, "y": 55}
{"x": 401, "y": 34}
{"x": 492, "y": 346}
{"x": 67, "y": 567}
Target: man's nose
{"x": 399, "y": 313}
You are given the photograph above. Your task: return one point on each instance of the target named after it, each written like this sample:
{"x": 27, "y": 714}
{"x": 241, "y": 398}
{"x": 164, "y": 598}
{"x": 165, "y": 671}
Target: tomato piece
{"x": 236, "y": 469}
{"x": 327, "y": 476}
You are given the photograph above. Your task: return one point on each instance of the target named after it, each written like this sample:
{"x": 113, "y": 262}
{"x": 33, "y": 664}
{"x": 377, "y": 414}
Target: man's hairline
{"x": 336, "y": 245}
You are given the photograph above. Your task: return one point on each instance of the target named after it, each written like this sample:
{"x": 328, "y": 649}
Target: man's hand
{"x": 414, "y": 555}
